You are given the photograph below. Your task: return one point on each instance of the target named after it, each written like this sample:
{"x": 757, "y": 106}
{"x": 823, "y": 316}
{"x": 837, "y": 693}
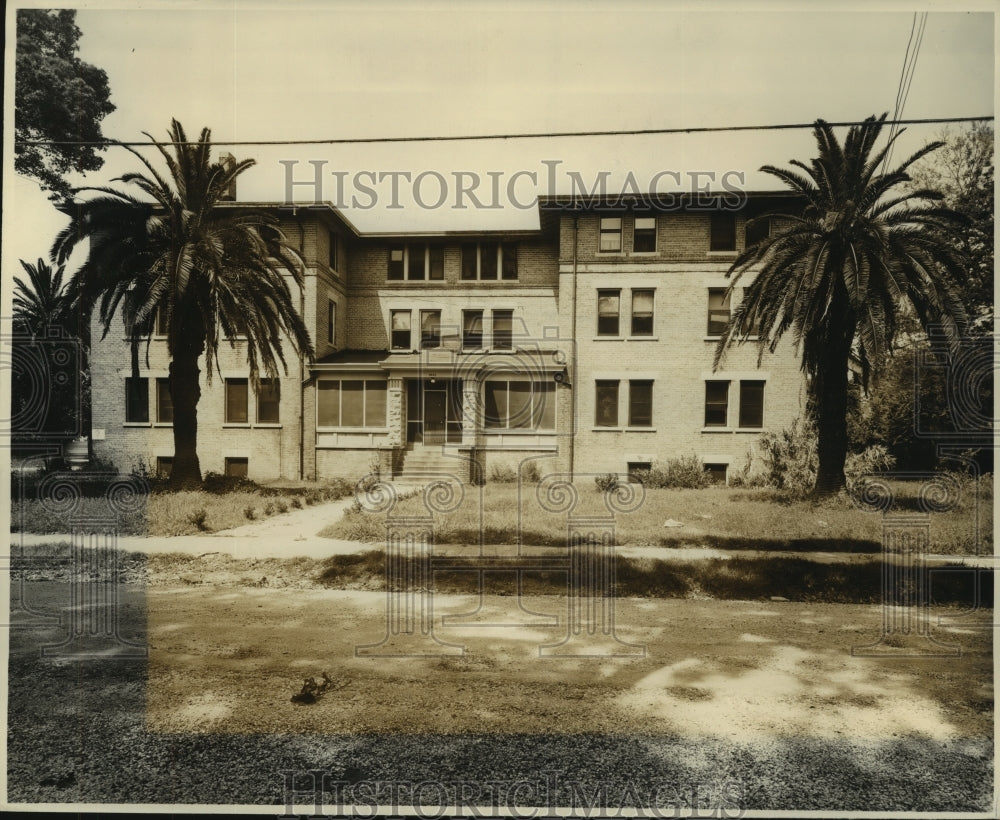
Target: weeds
{"x": 199, "y": 518}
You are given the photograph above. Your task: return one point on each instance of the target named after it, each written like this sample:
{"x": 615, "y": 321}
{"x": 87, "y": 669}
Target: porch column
{"x": 472, "y": 425}
{"x": 395, "y": 412}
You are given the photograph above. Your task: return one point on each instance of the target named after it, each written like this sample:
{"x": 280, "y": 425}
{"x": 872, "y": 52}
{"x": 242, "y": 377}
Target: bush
{"x": 686, "y": 472}
{"x": 281, "y": 505}
{"x": 607, "y": 482}
{"x": 250, "y": 513}
{"x": 218, "y": 483}
{"x": 502, "y": 474}
{"x": 199, "y": 518}
{"x": 269, "y": 508}
{"x": 789, "y": 458}
{"x": 531, "y": 473}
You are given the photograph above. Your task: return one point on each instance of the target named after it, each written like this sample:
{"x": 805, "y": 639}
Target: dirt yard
{"x": 764, "y": 693}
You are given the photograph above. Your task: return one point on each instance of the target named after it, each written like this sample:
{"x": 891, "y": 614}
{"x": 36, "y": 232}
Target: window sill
{"x": 626, "y": 338}
{"x": 721, "y": 254}
{"x": 137, "y": 424}
{"x": 752, "y": 430}
{"x": 640, "y": 429}
{"x": 235, "y": 424}
{"x": 375, "y": 430}
{"x": 518, "y": 431}
{"x": 163, "y": 424}
{"x": 607, "y": 429}
{"x": 267, "y": 426}
{"x": 645, "y": 254}
{"x": 712, "y": 338}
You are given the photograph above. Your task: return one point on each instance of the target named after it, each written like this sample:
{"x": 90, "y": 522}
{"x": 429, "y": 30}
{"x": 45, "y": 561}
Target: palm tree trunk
{"x": 830, "y": 397}
{"x": 185, "y": 391}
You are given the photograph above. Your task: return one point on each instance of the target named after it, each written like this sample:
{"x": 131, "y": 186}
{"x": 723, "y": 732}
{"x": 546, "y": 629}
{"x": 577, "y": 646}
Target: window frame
{"x": 331, "y": 250}
{"x": 605, "y": 229}
{"x": 331, "y": 322}
{"x": 746, "y": 385}
{"x": 163, "y": 466}
{"x": 229, "y": 461}
{"x": 161, "y": 406}
{"x": 235, "y": 381}
{"x": 467, "y": 335}
{"x": 393, "y": 313}
{"x": 432, "y": 252}
{"x": 378, "y": 424}
{"x": 634, "y": 385}
{"x": 505, "y": 261}
{"x": 502, "y": 339}
{"x": 722, "y": 231}
{"x": 652, "y": 312}
{"x": 715, "y": 404}
{"x": 605, "y": 293}
{"x": 137, "y": 388}
{"x": 430, "y": 341}
{"x": 726, "y": 304}
{"x": 615, "y": 386}
{"x": 269, "y": 384}
{"x": 646, "y": 233}
{"x": 541, "y": 396}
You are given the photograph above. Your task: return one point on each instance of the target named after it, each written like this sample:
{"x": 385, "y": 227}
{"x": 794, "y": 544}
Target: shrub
{"x": 296, "y": 502}
{"x": 686, "y": 472}
{"x": 269, "y": 508}
{"x": 218, "y": 483}
{"x": 250, "y": 513}
{"x": 789, "y": 458}
{"x": 502, "y": 474}
{"x": 281, "y": 505}
{"x": 199, "y": 518}
{"x": 531, "y": 473}
{"x": 607, "y": 482}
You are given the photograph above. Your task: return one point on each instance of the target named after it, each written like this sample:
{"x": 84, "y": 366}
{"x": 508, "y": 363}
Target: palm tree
{"x": 41, "y": 301}
{"x": 208, "y": 270}
{"x": 842, "y": 272}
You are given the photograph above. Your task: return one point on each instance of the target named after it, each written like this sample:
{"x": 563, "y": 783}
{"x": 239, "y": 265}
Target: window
{"x": 723, "y": 231}
{"x": 331, "y": 322}
{"x": 519, "y": 405}
{"x": 503, "y": 329}
{"x": 400, "y": 330}
{"x": 164, "y": 465}
{"x": 640, "y": 404}
{"x": 608, "y": 304}
{"x": 717, "y": 472}
{"x": 716, "y": 404}
{"x": 350, "y": 403}
{"x": 472, "y": 329}
{"x": 416, "y": 262}
{"x": 718, "y": 311}
{"x": 164, "y": 402}
{"x": 332, "y": 250}
{"x": 268, "y": 401}
{"x": 642, "y": 313}
{"x": 611, "y": 234}
{"x": 237, "y": 396}
{"x": 161, "y": 322}
{"x": 751, "y": 404}
{"x": 237, "y": 467}
{"x": 636, "y": 469}
{"x": 758, "y": 229}
{"x": 430, "y": 328}
{"x": 606, "y": 414}
{"x": 137, "y": 400}
{"x": 644, "y": 235}
{"x": 483, "y": 260}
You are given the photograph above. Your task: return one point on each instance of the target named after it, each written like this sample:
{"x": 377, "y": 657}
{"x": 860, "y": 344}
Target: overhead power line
{"x": 521, "y": 136}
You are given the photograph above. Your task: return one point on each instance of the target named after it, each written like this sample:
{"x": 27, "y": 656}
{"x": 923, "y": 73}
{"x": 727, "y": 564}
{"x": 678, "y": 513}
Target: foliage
{"x": 502, "y": 474}
{"x": 839, "y": 274}
{"x": 530, "y": 473}
{"x": 58, "y": 99}
{"x": 212, "y": 273}
{"x": 607, "y": 482}
{"x": 686, "y": 472}
{"x": 199, "y": 519}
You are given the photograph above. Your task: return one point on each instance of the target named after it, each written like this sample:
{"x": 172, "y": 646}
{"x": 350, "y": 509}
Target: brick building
{"x": 585, "y": 346}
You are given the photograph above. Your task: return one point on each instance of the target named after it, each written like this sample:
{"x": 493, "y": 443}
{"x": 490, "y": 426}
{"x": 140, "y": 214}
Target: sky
{"x": 310, "y": 71}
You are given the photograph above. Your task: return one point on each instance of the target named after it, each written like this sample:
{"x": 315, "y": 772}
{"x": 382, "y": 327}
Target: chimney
{"x": 228, "y": 161}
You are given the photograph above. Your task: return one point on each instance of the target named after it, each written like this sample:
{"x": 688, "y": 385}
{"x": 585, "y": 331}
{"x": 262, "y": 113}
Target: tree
{"x": 57, "y": 98}
{"x": 208, "y": 270}
{"x": 841, "y": 273}
{"x": 42, "y": 300}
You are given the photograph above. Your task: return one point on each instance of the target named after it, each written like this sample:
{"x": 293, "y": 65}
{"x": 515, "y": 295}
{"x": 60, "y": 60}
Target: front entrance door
{"x": 435, "y": 415}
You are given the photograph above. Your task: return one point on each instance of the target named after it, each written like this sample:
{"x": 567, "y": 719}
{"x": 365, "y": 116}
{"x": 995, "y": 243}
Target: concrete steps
{"x": 424, "y": 461}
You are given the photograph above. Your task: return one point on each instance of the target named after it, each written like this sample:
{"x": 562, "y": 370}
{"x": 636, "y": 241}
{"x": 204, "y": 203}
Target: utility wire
{"x": 905, "y": 80}
{"x": 482, "y": 137}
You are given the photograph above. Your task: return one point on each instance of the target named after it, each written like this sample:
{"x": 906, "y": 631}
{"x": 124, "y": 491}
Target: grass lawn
{"x": 715, "y": 517}
{"x": 181, "y": 513}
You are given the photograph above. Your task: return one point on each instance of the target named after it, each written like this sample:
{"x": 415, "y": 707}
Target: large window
{"x": 642, "y": 313}
{"x": 751, "y": 404}
{"x": 718, "y": 311}
{"x": 489, "y": 260}
{"x": 519, "y": 405}
{"x": 237, "y": 401}
{"x": 269, "y": 402}
{"x": 608, "y": 311}
{"x": 503, "y": 329}
{"x": 350, "y": 403}
{"x": 472, "y": 329}
{"x": 606, "y": 413}
{"x": 400, "y": 330}
{"x": 644, "y": 234}
{"x": 430, "y": 328}
{"x": 640, "y": 403}
{"x": 136, "y": 400}
{"x": 611, "y": 234}
{"x": 164, "y": 402}
{"x": 716, "y": 403}
{"x": 416, "y": 262}
{"x": 723, "y": 231}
